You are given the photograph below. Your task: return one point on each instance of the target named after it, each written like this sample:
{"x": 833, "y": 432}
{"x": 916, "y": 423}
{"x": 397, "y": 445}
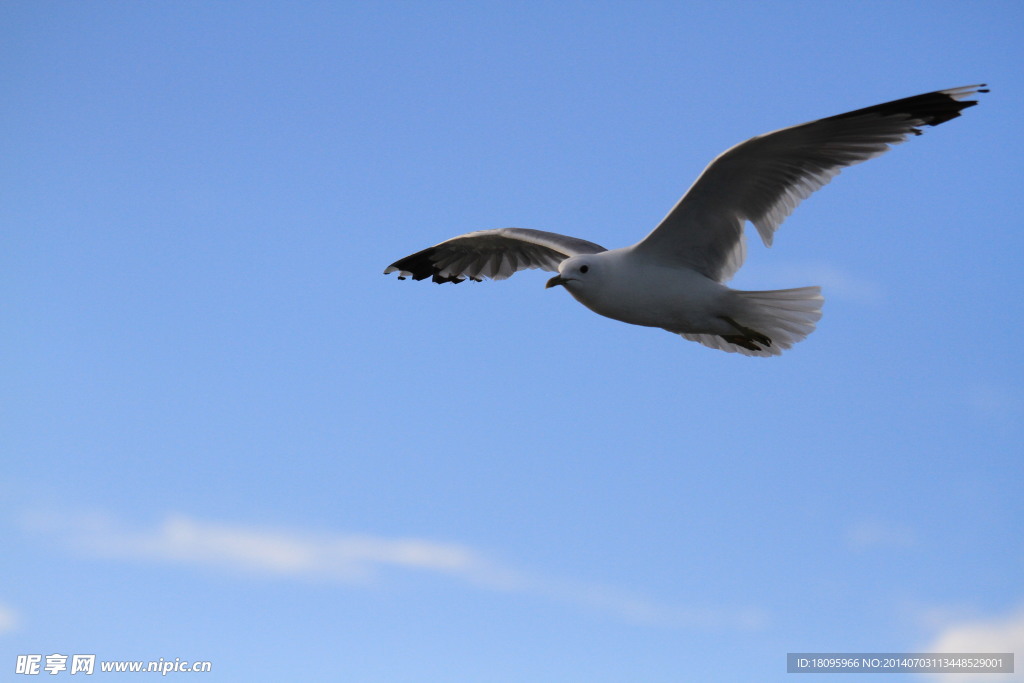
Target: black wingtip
{"x": 420, "y": 266}
{"x": 931, "y": 109}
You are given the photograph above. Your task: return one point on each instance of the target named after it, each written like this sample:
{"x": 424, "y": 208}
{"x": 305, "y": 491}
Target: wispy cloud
{"x": 8, "y": 619}
{"x": 276, "y": 552}
{"x": 994, "y": 634}
{"x": 878, "y": 533}
{"x": 355, "y": 559}
{"x": 993, "y": 400}
{"x": 835, "y": 281}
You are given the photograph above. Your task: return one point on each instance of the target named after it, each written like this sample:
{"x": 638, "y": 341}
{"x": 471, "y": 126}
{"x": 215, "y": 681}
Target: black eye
{"x": 584, "y": 269}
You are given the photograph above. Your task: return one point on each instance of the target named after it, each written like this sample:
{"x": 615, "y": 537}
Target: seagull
{"x": 674, "y": 277}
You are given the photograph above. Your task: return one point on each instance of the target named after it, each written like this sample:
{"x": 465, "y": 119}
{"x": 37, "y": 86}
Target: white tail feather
{"x": 785, "y": 316}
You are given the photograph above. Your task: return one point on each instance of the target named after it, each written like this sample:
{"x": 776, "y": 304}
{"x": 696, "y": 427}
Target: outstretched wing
{"x": 494, "y": 254}
{"x": 763, "y": 179}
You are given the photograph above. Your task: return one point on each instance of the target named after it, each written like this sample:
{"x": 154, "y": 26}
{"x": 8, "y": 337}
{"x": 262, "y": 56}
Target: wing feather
{"x": 495, "y": 254}
{"x": 763, "y": 179}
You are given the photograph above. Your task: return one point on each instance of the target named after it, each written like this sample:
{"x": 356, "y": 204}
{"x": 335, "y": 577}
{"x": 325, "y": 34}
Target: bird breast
{"x": 640, "y": 293}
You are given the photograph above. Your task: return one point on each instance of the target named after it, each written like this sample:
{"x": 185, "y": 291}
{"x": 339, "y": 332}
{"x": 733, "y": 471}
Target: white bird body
{"x": 674, "y": 277}
{"x": 625, "y": 286}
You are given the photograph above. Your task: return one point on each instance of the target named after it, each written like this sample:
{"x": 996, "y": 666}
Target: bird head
{"x": 573, "y": 273}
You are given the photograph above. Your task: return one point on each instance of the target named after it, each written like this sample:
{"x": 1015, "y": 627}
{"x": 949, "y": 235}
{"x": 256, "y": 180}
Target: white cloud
{"x": 997, "y": 634}
{"x": 355, "y": 559}
{"x": 343, "y": 557}
{"x": 835, "y": 281}
{"x": 989, "y": 399}
{"x": 8, "y": 619}
{"x": 876, "y": 533}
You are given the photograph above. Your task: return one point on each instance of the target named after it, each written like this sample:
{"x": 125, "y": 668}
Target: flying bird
{"x": 674, "y": 277}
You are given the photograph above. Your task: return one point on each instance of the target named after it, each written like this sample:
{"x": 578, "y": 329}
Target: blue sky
{"x": 228, "y": 437}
